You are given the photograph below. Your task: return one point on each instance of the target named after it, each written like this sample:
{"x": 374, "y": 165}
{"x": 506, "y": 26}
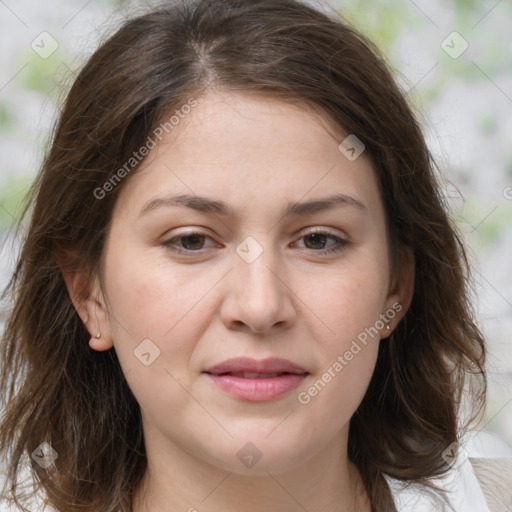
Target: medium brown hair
{"x": 55, "y": 388}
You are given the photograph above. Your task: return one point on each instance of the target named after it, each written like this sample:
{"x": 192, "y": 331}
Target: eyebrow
{"x": 207, "y": 205}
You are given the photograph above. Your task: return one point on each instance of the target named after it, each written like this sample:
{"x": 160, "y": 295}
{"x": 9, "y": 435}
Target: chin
{"x": 258, "y": 457}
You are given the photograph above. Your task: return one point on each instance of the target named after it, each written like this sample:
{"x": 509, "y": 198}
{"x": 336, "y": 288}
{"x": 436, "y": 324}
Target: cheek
{"x": 149, "y": 296}
{"x": 153, "y": 312}
{"x": 335, "y": 391}
{"x": 154, "y": 299}
{"x": 350, "y": 299}
{"x": 348, "y": 306}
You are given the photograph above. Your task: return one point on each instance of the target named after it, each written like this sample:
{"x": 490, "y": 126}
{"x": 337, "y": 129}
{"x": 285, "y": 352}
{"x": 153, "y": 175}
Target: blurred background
{"x": 452, "y": 58}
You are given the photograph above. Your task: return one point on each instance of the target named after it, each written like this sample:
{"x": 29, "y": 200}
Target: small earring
{"x": 99, "y": 333}
{"x": 387, "y": 327}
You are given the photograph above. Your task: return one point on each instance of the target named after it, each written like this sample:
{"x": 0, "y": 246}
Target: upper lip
{"x": 245, "y": 364}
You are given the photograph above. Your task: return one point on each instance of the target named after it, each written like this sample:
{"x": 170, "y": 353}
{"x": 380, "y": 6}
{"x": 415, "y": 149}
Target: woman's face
{"x": 193, "y": 283}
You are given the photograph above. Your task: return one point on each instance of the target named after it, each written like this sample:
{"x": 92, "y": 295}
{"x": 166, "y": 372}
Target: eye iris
{"x": 194, "y": 238}
{"x": 316, "y": 237}
{"x": 195, "y": 241}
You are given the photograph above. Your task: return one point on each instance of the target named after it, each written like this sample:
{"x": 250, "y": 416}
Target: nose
{"x": 259, "y": 296}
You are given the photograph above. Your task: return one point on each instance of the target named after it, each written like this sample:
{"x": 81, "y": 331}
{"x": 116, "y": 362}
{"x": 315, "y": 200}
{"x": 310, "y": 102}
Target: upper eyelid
{"x": 304, "y": 232}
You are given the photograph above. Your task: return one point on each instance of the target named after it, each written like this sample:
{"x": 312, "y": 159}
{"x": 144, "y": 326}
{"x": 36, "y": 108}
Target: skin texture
{"x": 201, "y": 308}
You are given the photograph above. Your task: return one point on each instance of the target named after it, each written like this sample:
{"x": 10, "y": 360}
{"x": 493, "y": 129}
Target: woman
{"x": 240, "y": 287}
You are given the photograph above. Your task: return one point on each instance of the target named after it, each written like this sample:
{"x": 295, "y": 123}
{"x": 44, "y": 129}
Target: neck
{"x": 179, "y": 481}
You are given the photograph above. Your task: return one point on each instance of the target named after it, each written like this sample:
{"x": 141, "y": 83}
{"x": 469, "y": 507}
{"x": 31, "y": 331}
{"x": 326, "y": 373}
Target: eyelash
{"x": 341, "y": 243}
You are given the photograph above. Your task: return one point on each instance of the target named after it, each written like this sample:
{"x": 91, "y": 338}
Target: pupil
{"x": 316, "y": 237}
{"x": 194, "y": 241}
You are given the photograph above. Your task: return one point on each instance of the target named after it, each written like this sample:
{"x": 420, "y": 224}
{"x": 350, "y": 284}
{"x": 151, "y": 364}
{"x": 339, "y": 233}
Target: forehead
{"x": 251, "y": 152}
{"x": 247, "y": 121}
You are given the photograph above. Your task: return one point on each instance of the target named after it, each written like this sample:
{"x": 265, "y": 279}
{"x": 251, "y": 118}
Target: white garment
{"x": 464, "y": 491}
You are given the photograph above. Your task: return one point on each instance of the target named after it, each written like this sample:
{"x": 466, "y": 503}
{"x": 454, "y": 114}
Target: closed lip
{"x": 246, "y": 364}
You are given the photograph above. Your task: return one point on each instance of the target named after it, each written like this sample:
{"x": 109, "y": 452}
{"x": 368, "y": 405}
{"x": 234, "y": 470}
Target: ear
{"x": 401, "y": 290}
{"x": 88, "y": 300}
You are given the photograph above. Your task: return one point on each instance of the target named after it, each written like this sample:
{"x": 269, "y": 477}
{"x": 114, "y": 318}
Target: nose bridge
{"x": 255, "y": 265}
{"x": 259, "y": 296}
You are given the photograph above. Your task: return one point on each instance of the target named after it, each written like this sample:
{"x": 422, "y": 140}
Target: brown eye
{"x": 186, "y": 243}
{"x": 191, "y": 242}
{"x": 316, "y": 241}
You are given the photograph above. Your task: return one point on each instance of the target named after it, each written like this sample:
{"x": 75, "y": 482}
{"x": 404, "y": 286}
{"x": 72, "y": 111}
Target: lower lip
{"x": 258, "y": 390}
